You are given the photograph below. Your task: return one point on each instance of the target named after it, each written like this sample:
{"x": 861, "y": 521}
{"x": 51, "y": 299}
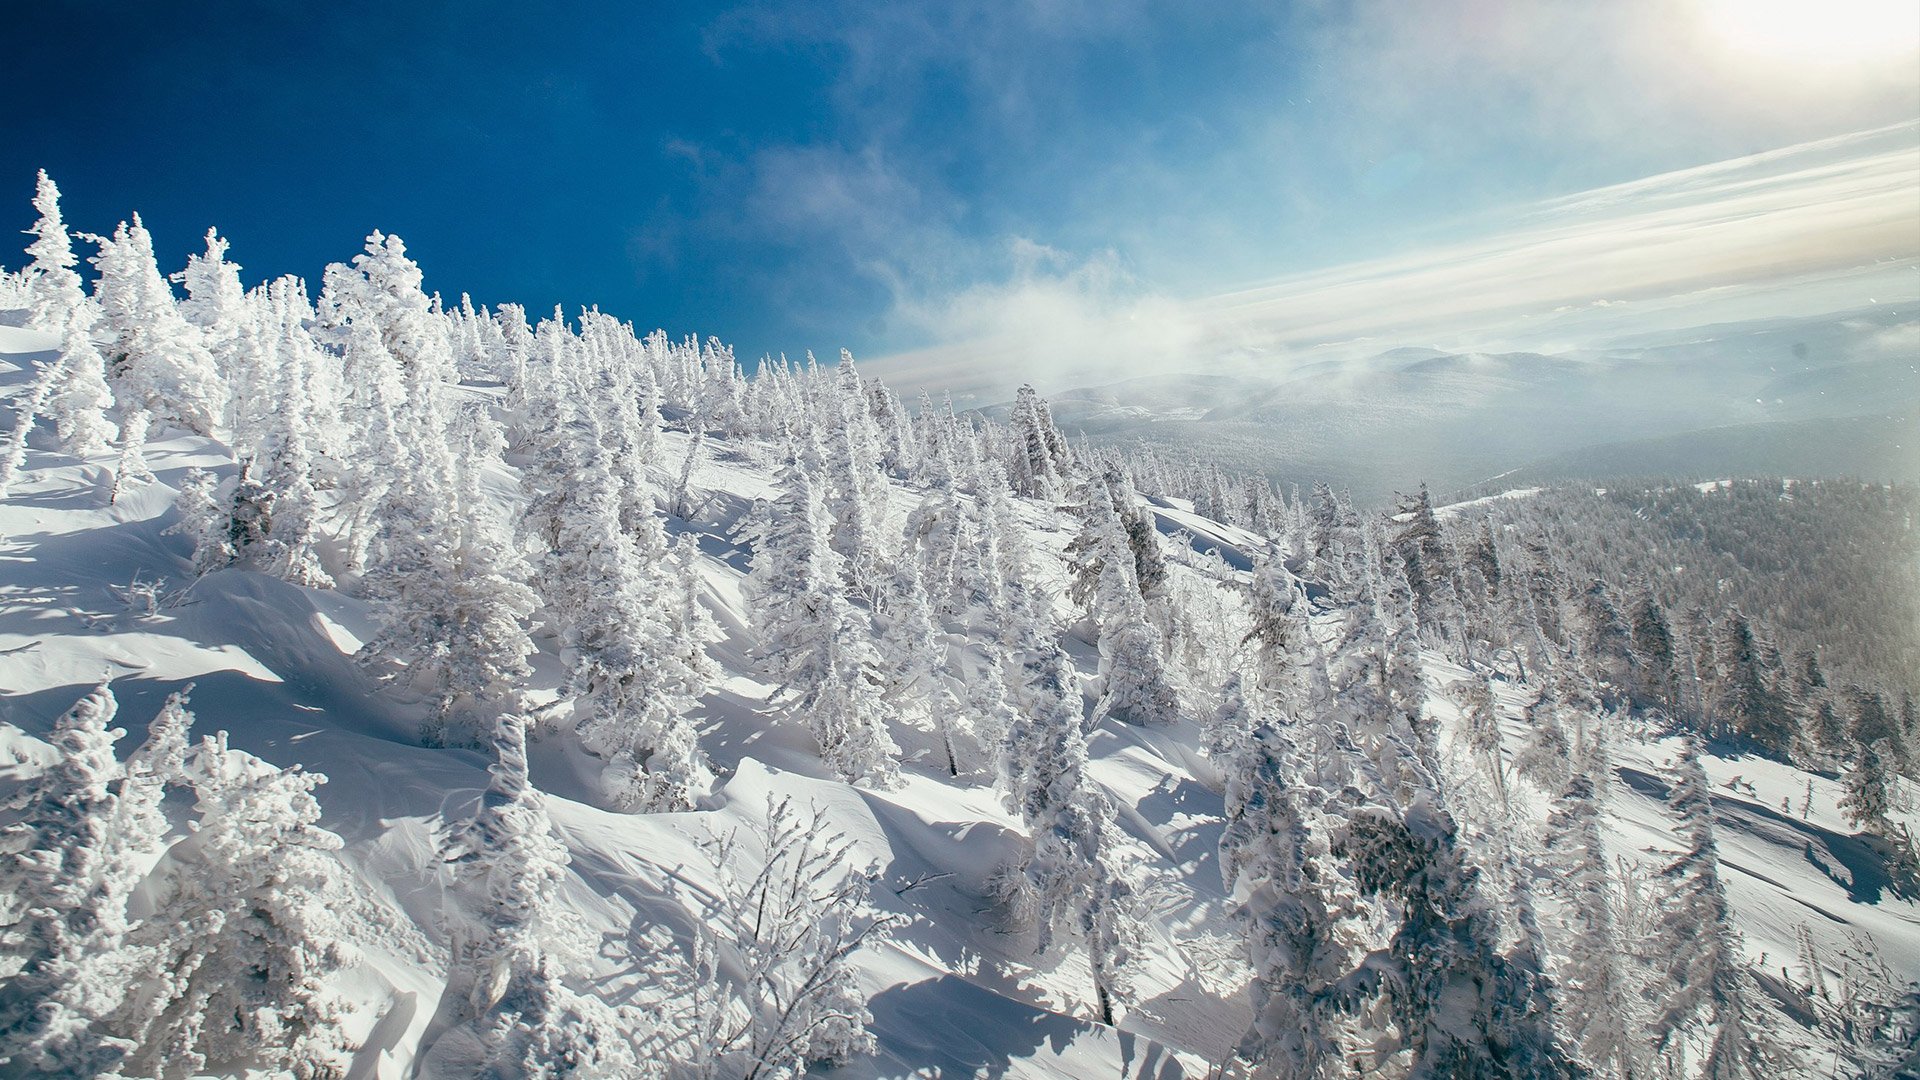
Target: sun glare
{"x": 1821, "y": 31}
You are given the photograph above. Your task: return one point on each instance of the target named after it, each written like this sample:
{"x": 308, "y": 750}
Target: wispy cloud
{"x": 1157, "y": 161}
{"x": 1823, "y": 226}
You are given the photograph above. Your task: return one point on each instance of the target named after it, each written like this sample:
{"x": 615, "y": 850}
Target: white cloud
{"x": 1824, "y": 226}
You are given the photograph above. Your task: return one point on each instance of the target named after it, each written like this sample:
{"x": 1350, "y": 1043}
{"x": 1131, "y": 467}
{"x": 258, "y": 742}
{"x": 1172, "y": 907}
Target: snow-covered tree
{"x": 206, "y": 520}
{"x": 812, "y": 638}
{"x": 70, "y": 861}
{"x": 450, "y": 586}
{"x": 1288, "y": 662}
{"x": 1596, "y": 988}
{"x": 453, "y": 605}
{"x": 80, "y": 402}
{"x": 1294, "y": 904}
{"x": 1040, "y": 458}
{"x": 1871, "y": 789}
{"x": 1655, "y": 658}
{"x": 218, "y": 306}
{"x": 915, "y": 661}
{"x": 1461, "y": 1006}
{"x": 1137, "y": 687}
{"x": 26, "y": 413}
{"x": 1079, "y": 880}
{"x": 159, "y": 365}
{"x": 513, "y": 949}
{"x": 1704, "y": 992}
{"x": 286, "y": 464}
{"x": 613, "y": 595}
{"x": 245, "y": 939}
{"x": 54, "y": 293}
{"x": 1429, "y": 566}
{"x": 1746, "y": 700}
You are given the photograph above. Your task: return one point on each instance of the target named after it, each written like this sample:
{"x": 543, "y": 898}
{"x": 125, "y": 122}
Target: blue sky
{"x": 906, "y": 179}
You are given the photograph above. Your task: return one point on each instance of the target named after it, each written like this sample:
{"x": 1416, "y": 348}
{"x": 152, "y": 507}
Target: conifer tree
{"x": 1429, "y": 565}
{"x": 217, "y": 305}
{"x": 1136, "y": 685}
{"x": 245, "y": 944}
{"x": 159, "y": 364}
{"x": 14, "y": 457}
{"x": 286, "y": 464}
{"x": 451, "y": 589}
{"x": 1746, "y": 700}
{"x": 67, "y": 873}
{"x": 916, "y": 665}
{"x": 1654, "y": 654}
{"x": 1871, "y": 790}
{"x": 512, "y": 958}
{"x": 1704, "y": 985}
{"x": 1277, "y": 867}
{"x": 79, "y": 406}
{"x": 1078, "y": 878}
{"x": 54, "y": 293}
{"x": 1040, "y": 460}
{"x": 812, "y": 638}
{"x": 1600, "y": 1006}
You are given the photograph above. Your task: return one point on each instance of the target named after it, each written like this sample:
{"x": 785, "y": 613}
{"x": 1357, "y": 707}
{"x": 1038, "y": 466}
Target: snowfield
{"x": 389, "y": 689}
{"x": 92, "y": 591}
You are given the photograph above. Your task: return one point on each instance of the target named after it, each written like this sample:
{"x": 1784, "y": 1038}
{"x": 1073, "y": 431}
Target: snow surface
{"x": 955, "y": 993}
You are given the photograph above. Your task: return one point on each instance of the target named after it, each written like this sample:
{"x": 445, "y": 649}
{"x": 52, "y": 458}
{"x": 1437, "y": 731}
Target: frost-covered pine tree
{"x": 628, "y": 626}
{"x": 245, "y": 939}
{"x": 915, "y": 662}
{"x": 1040, "y": 459}
{"x": 1276, "y": 865}
{"x": 1460, "y": 1005}
{"x": 1289, "y": 664}
{"x": 1429, "y": 566}
{"x": 1480, "y": 721}
{"x": 1079, "y": 880}
{"x": 71, "y": 859}
{"x": 1871, "y": 790}
{"x": 371, "y": 408}
{"x": 159, "y": 365}
{"x": 54, "y": 292}
{"x": 450, "y": 586}
{"x": 854, "y": 490}
{"x": 1137, "y": 686}
{"x": 218, "y": 305}
{"x": 812, "y": 638}
{"x": 205, "y": 511}
{"x": 26, "y": 413}
{"x": 1703, "y": 991}
{"x": 512, "y": 951}
{"x": 1232, "y": 723}
{"x": 286, "y": 463}
{"x": 1335, "y": 545}
{"x": 1596, "y": 988}
{"x": 79, "y": 405}
{"x": 1655, "y": 654}
{"x": 619, "y": 621}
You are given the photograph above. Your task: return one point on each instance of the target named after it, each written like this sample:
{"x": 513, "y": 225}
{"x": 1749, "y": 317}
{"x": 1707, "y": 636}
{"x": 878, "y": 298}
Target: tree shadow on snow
{"x": 1860, "y": 864}
{"x": 949, "y": 1028}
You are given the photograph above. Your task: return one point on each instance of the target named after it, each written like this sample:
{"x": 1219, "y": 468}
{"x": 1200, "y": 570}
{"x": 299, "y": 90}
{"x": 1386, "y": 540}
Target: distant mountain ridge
{"x": 1451, "y": 419}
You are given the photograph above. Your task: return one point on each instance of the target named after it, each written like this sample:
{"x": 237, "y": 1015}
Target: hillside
{"x": 557, "y": 611}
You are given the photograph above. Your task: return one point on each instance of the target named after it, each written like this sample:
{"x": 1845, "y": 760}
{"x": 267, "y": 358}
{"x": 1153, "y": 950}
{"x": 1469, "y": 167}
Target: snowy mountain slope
{"x": 957, "y": 990}
{"x": 267, "y": 663}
